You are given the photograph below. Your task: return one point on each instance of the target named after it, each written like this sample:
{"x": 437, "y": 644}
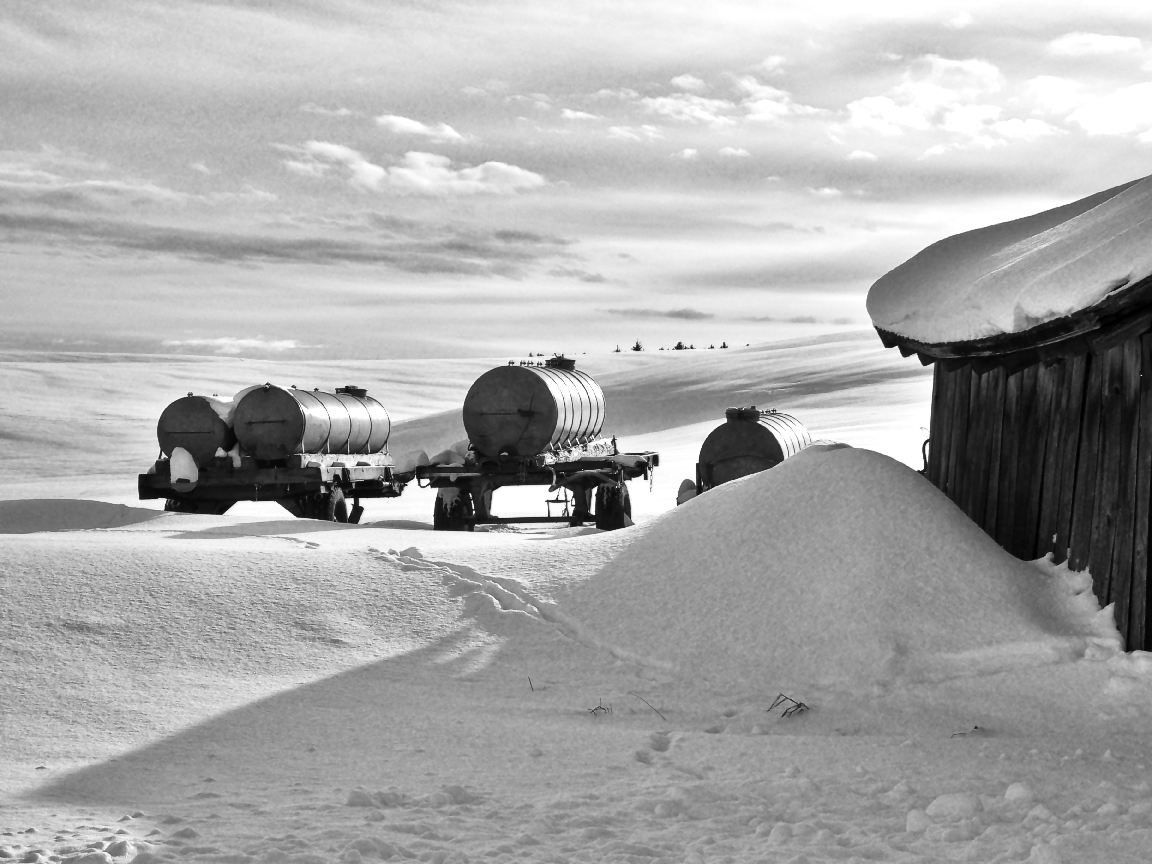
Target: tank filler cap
{"x": 352, "y": 390}
{"x": 749, "y": 413}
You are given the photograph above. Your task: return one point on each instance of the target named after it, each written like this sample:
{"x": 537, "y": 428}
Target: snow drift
{"x": 62, "y": 514}
{"x": 1009, "y": 277}
{"x": 839, "y": 568}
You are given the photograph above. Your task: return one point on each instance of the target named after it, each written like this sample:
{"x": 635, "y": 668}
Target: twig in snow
{"x": 792, "y": 706}
{"x": 601, "y": 708}
{"x": 530, "y": 683}
{"x": 649, "y": 704}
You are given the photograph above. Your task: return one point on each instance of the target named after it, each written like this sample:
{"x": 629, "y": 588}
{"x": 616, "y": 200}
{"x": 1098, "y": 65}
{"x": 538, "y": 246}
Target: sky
{"x": 434, "y": 179}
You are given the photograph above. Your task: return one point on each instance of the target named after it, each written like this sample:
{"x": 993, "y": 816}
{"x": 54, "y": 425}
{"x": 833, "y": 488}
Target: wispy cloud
{"x": 417, "y": 173}
{"x": 406, "y": 126}
{"x": 231, "y": 345}
{"x": 411, "y": 246}
{"x": 683, "y": 314}
{"x": 690, "y": 108}
{"x": 1121, "y": 112}
{"x": 578, "y": 274}
{"x": 1087, "y": 44}
{"x": 312, "y": 108}
{"x": 570, "y": 114}
{"x": 690, "y": 83}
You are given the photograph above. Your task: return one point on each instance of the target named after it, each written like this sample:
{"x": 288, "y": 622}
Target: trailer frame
{"x": 308, "y": 485}
{"x": 595, "y": 467}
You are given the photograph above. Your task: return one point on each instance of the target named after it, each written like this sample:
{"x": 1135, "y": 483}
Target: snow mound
{"x": 1013, "y": 276}
{"x": 840, "y": 568}
{"x": 66, "y": 514}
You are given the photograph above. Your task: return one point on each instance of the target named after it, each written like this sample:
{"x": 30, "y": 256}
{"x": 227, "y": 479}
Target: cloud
{"x": 418, "y": 173}
{"x": 231, "y": 345}
{"x": 626, "y": 93}
{"x": 861, "y": 156}
{"x": 406, "y": 126}
{"x": 766, "y": 104}
{"x": 631, "y": 133}
{"x": 689, "y": 108}
{"x": 957, "y": 98}
{"x": 1088, "y": 44}
{"x": 683, "y": 314}
{"x": 311, "y": 108}
{"x": 960, "y": 21}
{"x": 688, "y": 153}
{"x": 577, "y": 273}
{"x": 1121, "y": 112}
{"x": 733, "y": 151}
{"x": 407, "y": 245}
{"x": 825, "y": 192}
{"x": 936, "y": 93}
{"x": 690, "y": 83}
{"x": 773, "y": 65}
{"x": 569, "y": 114}
{"x": 200, "y": 167}
{"x": 1055, "y": 95}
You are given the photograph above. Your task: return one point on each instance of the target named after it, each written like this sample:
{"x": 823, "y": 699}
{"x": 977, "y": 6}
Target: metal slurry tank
{"x": 276, "y": 422}
{"x": 195, "y": 423}
{"x": 748, "y": 441}
{"x": 525, "y": 410}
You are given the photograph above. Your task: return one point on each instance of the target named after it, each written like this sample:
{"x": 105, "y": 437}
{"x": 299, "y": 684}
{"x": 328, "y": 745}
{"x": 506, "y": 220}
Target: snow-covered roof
{"x": 1015, "y": 276}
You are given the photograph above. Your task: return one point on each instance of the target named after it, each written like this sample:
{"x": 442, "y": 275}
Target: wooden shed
{"x": 1043, "y": 435}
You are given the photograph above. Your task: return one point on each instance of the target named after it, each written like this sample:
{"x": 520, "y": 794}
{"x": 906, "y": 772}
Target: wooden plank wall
{"x": 1058, "y": 459}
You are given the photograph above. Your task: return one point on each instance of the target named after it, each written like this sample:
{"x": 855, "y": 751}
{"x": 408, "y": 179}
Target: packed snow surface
{"x": 824, "y": 662}
{"x": 1009, "y": 277}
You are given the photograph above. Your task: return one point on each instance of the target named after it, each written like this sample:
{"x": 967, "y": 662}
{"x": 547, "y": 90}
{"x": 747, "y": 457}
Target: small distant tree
{"x": 638, "y": 346}
{"x": 679, "y": 346}
{"x": 691, "y": 347}
{"x": 723, "y": 344}
{"x": 710, "y": 347}
{"x": 530, "y": 354}
{"x": 617, "y": 351}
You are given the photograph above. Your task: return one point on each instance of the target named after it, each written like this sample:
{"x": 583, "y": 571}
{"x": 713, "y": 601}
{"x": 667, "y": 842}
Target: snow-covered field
{"x": 254, "y": 688}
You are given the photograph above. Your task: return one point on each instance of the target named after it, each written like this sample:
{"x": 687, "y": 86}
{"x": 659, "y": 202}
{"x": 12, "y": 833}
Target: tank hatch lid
{"x": 751, "y": 413}
{"x": 352, "y": 390}
{"x": 560, "y": 362}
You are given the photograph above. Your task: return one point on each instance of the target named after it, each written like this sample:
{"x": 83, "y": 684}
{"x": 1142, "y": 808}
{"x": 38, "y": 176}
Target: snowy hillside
{"x": 255, "y": 688}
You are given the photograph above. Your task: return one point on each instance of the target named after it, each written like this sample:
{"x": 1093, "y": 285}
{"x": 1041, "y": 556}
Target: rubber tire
{"x": 613, "y": 507}
{"x": 334, "y": 507}
{"x": 456, "y": 516}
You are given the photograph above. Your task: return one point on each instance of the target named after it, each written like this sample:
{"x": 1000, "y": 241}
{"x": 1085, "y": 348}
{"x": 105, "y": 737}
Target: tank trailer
{"x": 747, "y": 442}
{"x": 308, "y": 450}
{"x": 536, "y": 425}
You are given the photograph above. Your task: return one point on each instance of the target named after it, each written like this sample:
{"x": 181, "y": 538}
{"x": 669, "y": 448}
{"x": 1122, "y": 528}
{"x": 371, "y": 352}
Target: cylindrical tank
{"x": 525, "y": 410}
{"x": 749, "y": 441}
{"x": 275, "y": 422}
{"x": 196, "y": 423}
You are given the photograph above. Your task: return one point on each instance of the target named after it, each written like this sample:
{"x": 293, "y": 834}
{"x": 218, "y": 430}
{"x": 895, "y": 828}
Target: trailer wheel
{"x": 613, "y": 507}
{"x": 439, "y": 514}
{"x": 453, "y": 512}
{"x": 335, "y": 508}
